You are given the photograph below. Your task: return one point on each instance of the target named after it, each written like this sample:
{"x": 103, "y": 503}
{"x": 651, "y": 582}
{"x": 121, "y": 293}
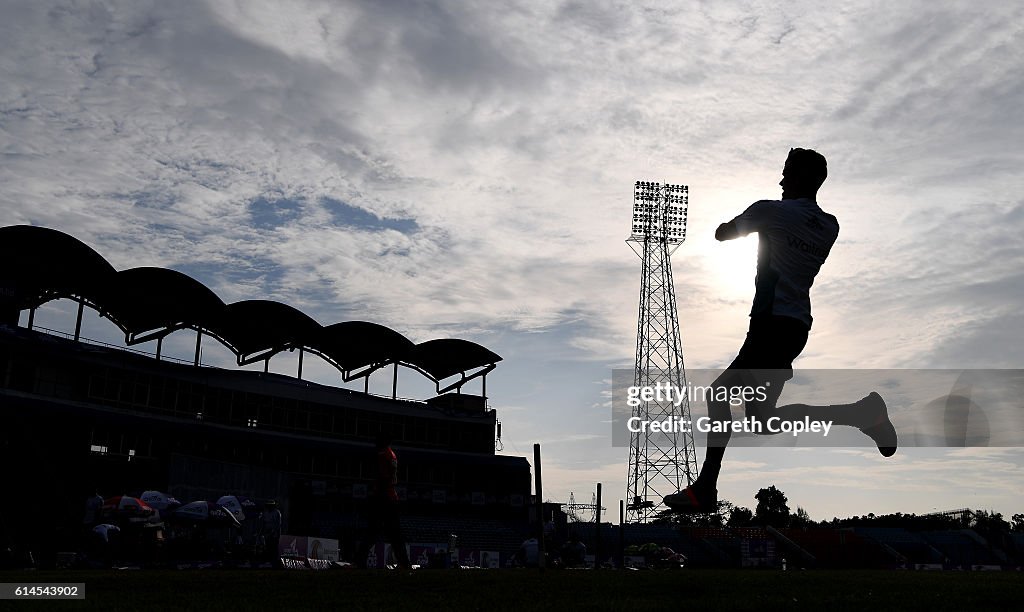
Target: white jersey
{"x": 794, "y": 238}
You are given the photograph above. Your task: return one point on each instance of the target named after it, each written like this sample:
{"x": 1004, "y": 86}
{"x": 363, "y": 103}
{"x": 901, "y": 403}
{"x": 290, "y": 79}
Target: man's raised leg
{"x": 869, "y": 415}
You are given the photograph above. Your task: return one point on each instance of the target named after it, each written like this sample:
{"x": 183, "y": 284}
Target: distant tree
{"x": 740, "y": 517}
{"x": 991, "y": 525}
{"x": 771, "y": 507}
{"x": 665, "y": 517}
{"x": 800, "y": 519}
{"x": 1018, "y": 522}
{"x": 717, "y": 519}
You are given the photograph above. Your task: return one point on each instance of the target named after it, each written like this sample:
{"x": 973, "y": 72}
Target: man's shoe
{"x": 692, "y": 501}
{"x": 882, "y": 432}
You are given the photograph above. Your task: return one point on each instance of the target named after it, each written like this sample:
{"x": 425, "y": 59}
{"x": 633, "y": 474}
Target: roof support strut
{"x": 78, "y": 321}
{"x": 465, "y": 379}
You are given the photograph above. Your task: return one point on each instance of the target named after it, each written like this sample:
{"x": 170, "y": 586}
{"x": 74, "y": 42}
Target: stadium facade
{"x": 79, "y": 416}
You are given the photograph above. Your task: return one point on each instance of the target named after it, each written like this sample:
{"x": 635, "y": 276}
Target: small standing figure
{"x": 270, "y": 530}
{"x": 382, "y": 519}
{"x": 93, "y": 506}
{"x": 90, "y": 519}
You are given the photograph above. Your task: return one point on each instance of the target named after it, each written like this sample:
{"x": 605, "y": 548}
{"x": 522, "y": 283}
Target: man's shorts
{"x": 766, "y": 358}
{"x": 773, "y": 342}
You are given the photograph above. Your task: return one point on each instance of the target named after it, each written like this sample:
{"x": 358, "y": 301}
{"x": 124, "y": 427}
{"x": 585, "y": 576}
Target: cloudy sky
{"x": 452, "y": 170}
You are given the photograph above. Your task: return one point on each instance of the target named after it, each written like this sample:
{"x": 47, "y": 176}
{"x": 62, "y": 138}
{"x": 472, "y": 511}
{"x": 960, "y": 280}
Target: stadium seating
{"x": 841, "y": 549}
{"x": 961, "y": 550}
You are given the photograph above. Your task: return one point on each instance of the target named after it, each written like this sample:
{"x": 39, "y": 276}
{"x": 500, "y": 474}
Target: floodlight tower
{"x": 659, "y": 463}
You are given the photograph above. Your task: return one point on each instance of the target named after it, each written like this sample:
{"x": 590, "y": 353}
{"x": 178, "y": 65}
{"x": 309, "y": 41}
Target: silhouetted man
{"x": 795, "y": 237}
{"x": 93, "y": 507}
{"x": 270, "y": 528}
{"x": 383, "y": 515}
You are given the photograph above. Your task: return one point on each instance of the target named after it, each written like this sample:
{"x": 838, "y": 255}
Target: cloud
{"x": 508, "y": 138}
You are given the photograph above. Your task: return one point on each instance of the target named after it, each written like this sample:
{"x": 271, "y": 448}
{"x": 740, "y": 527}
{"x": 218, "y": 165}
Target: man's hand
{"x": 727, "y": 231}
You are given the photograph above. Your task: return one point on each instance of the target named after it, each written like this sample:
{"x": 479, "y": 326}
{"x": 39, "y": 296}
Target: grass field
{"x": 532, "y": 589}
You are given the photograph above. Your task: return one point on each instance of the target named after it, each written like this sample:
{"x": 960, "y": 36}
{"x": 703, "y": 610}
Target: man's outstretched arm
{"x": 727, "y": 231}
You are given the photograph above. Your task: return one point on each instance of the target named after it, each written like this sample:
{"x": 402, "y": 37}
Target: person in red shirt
{"x": 382, "y": 519}
{"x": 387, "y": 470}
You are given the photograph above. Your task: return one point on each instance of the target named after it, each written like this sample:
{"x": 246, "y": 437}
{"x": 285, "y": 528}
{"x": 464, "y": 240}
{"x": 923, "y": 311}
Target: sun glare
{"x": 733, "y": 264}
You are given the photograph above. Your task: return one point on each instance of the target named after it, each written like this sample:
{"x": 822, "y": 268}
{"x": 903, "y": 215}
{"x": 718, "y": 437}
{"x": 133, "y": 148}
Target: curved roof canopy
{"x": 38, "y": 264}
{"x": 159, "y": 301}
{"x": 40, "y": 261}
{"x": 446, "y": 357}
{"x": 356, "y": 344}
{"x": 256, "y": 329}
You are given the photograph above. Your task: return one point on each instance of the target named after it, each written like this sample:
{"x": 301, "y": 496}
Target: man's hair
{"x": 807, "y": 165}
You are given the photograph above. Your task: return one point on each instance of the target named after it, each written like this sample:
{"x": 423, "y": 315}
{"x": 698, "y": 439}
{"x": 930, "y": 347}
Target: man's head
{"x": 803, "y": 174}
{"x": 383, "y": 440}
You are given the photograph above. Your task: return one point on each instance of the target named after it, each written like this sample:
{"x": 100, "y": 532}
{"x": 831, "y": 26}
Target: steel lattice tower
{"x": 659, "y": 463}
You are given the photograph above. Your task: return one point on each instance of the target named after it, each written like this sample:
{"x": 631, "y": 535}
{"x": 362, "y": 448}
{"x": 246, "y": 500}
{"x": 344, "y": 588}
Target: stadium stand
{"x": 79, "y": 415}
{"x": 1016, "y": 551}
{"x": 842, "y": 549}
{"x": 910, "y": 546}
{"x": 963, "y": 549}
